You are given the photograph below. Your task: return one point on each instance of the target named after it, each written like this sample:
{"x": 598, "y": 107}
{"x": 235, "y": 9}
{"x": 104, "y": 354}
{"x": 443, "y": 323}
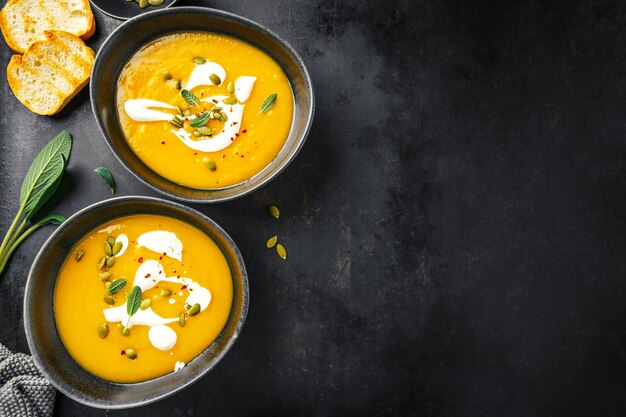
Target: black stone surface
{"x": 455, "y": 223}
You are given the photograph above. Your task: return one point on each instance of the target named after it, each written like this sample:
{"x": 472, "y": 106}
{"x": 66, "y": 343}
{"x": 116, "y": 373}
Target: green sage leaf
{"x": 51, "y": 219}
{"x": 117, "y": 285}
{"x": 268, "y": 103}
{"x": 106, "y": 177}
{"x": 134, "y": 300}
{"x": 189, "y": 97}
{"x": 200, "y": 120}
{"x": 45, "y": 173}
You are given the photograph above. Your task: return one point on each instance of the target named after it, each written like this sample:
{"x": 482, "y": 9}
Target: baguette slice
{"x": 51, "y": 72}
{"x": 25, "y": 21}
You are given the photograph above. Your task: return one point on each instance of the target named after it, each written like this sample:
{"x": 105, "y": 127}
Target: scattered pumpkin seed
{"x": 123, "y": 330}
{"x": 182, "y": 319}
{"x": 197, "y": 134}
{"x": 103, "y": 330}
{"x": 167, "y": 76}
{"x": 145, "y": 303}
{"x": 80, "y": 255}
{"x": 199, "y": 60}
{"x": 166, "y": 292}
{"x": 101, "y": 262}
{"x": 130, "y": 353}
{"x": 106, "y": 286}
{"x": 156, "y": 2}
{"x": 187, "y": 112}
{"x": 205, "y": 130}
{"x": 111, "y": 240}
{"x": 105, "y": 276}
{"x": 273, "y": 211}
{"x": 108, "y": 250}
{"x": 271, "y": 242}
{"x": 209, "y": 163}
{"x": 110, "y": 261}
{"x": 230, "y": 100}
{"x": 178, "y": 84}
{"x": 195, "y": 309}
{"x": 180, "y": 111}
{"x": 117, "y": 248}
{"x": 215, "y": 79}
{"x": 109, "y": 300}
{"x": 144, "y": 3}
{"x": 281, "y": 251}
{"x": 230, "y": 88}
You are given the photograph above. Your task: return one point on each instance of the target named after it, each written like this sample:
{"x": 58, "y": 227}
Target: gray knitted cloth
{"x": 24, "y": 392}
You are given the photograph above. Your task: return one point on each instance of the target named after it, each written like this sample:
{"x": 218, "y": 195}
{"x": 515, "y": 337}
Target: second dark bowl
{"x": 136, "y": 32}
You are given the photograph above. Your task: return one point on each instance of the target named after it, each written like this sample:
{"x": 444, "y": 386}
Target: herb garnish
{"x": 117, "y": 285}
{"x": 200, "y": 120}
{"x": 268, "y": 103}
{"x": 41, "y": 181}
{"x": 106, "y": 177}
{"x": 189, "y": 97}
{"x": 133, "y": 303}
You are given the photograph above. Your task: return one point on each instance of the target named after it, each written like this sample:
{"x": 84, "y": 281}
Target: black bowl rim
{"x": 40, "y": 363}
{"x": 114, "y": 16}
{"x": 310, "y": 111}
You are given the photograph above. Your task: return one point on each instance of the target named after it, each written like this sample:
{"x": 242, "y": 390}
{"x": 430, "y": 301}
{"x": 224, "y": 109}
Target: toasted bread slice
{"x": 51, "y": 72}
{"x": 25, "y": 21}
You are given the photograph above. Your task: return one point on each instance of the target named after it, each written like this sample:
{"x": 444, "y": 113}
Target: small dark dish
{"x": 122, "y": 9}
{"x": 43, "y": 339}
{"x": 135, "y": 33}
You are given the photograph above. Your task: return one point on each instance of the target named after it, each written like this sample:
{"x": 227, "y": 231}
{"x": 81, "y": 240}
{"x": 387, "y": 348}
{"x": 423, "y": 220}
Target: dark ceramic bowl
{"x": 135, "y": 33}
{"x": 43, "y": 339}
{"x": 122, "y": 10}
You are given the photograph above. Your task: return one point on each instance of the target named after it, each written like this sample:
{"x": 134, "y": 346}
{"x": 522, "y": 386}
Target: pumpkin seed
{"x": 105, "y": 276}
{"x": 215, "y": 79}
{"x": 273, "y": 211}
{"x": 116, "y": 248}
{"x": 130, "y": 353}
{"x": 166, "y": 292}
{"x": 109, "y": 300}
{"x": 106, "y": 286}
{"x": 230, "y": 100}
{"x": 123, "y": 330}
{"x": 108, "y": 251}
{"x": 156, "y": 2}
{"x": 224, "y": 117}
{"x": 80, "y": 255}
{"x": 182, "y": 319}
{"x": 101, "y": 262}
{"x": 195, "y": 309}
{"x": 180, "y": 111}
{"x": 281, "y": 251}
{"x": 205, "y": 130}
{"x": 187, "y": 307}
{"x": 110, "y": 261}
{"x": 210, "y": 164}
{"x": 271, "y": 242}
{"x": 167, "y": 76}
{"x": 103, "y": 330}
{"x": 143, "y": 4}
{"x": 178, "y": 84}
{"x": 230, "y": 88}
{"x": 199, "y": 60}
{"x": 111, "y": 240}
{"x": 187, "y": 112}
{"x": 197, "y": 134}
{"x": 145, "y": 303}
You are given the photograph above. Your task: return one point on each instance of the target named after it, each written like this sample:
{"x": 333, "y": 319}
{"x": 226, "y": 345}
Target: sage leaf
{"x": 134, "y": 300}
{"x": 45, "y": 173}
{"x": 106, "y": 177}
{"x": 268, "y": 103}
{"x": 200, "y": 120}
{"x": 189, "y": 97}
{"x": 51, "y": 219}
{"x": 117, "y": 285}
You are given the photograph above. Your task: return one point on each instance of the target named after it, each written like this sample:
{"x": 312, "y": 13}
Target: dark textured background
{"x": 455, "y": 222}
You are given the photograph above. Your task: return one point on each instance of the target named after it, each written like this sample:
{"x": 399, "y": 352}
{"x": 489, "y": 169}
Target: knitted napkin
{"x": 24, "y": 392}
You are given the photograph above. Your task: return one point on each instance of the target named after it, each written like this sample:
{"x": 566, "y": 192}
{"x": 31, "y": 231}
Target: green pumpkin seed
{"x": 199, "y": 60}
{"x": 156, "y": 2}
{"x": 210, "y": 164}
{"x": 167, "y": 76}
{"x": 217, "y": 116}
{"x": 130, "y": 353}
{"x": 205, "y": 130}
{"x": 187, "y": 112}
{"x": 230, "y": 88}
{"x": 108, "y": 250}
{"x": 195, "y": 309}
{"x": 281, "y": 251}
{"x": 187, "y": 307}
{"x": 145, "y": 304}
{"x": 178, "y": 84}
{"x": 111, "y": 240}
{"x": 80, "y": 255}
{"x": 182, "y": 319}
{"x": 116, "y": 248}
{"x": 224, "y": 117}
{"x": 144, "y": 3}
{"x": 166, "y": 292}
{"x": 109, "y": 300}
{"x": 103, "y": 330}
{"x": 273, "y": 211}
{"x": 230, "y": 100}
{"x": 106, "y": 286}
{"x": 101, "y": 263}
{"x": 215, "y": 79}
{"x": 271, "y": 242}
{"x": 197, "y": 134}
{"x": 123, "y": 330}
{"x": 105, "y": 276}
{"x": 110, "y": 261}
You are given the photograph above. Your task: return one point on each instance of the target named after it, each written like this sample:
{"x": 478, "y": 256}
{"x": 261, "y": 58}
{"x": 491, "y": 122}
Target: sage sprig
{"x": 268, "y": 103}
{"x": 189, "y": 97}
{"x": 200, "y": 120}
{"x": 133, "y": 303}
{"x": 106, "y": 177}
{"x": 41, "y": 181}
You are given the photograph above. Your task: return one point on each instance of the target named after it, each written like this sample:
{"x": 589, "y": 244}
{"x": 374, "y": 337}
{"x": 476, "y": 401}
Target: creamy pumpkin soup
{"x": 204, "y": 110}
{"x": 141, "y": 296}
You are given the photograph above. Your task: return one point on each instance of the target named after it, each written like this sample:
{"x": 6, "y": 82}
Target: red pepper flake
{"x": 123, "y": 352}
{"x": 162, "y": 142}
{"x": 164, "y": 253}
{"x": 147, "y": 276}
{"x": 178, "y": 276}
{"x": 190, "y": 289}
{"x": 160, "y": 272}
{"x": 232, "y": 139}
{"x": 195, "y": 153}
{"x": 140, "y": 260}
{"x": 244, "y": 131}
{"x": 160, "y": 258}
{"x": 184, "y": 287}
{"x": 234, "y": 123}
{"x": 236, "y": 134}
{"x": 223, "y": 155}
{"x": 242, "y": 156}
{"x": 214, "y": 101}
